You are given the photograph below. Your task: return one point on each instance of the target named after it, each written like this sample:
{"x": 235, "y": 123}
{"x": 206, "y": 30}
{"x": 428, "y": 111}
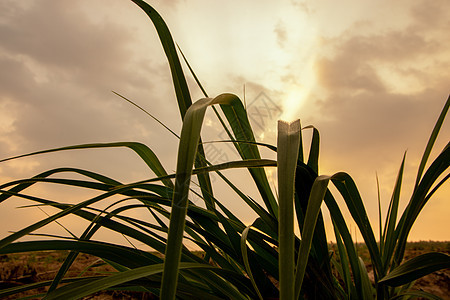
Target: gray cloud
{"x": 345, "y": 72}
{"x": 58, "y": 68}
{"x": 430, "y": 16}
{"x": 379, "y": 93}
{"x": 281, "y": 33}
{"x": 357, "y": 75}
{"x": 302, "y": 5}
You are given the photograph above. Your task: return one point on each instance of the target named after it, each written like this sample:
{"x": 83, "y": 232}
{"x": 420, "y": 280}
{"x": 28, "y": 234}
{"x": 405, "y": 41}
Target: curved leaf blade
{"x": 76, "y": 291}
{"x": 316, "y": 197}
{"x": 416, "y": 267}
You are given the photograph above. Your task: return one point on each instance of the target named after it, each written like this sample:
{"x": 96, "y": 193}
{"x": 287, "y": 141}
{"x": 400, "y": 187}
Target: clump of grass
{"x": 241, "y": 261}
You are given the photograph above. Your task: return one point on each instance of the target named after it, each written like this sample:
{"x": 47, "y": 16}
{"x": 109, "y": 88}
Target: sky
{"x": 371, "y": 76}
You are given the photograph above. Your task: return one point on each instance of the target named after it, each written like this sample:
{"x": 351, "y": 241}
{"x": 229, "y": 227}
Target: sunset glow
{"x": 371, "y": 76}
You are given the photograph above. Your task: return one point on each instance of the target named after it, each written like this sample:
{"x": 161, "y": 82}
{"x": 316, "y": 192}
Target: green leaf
{"x": 37, "y": 285}
{"x": 242, "y": 130}
{"x": 76, "y": 291}
{"x": 246, "y": 261}
{"x": 419, "y": 199}
{"x": 339, "y": 221}
{"x": 178, "y": 79}
{"x": 380, "y": 220}
{"x": 416, "y": 268}
{"x": 318, "y": 191}
{"x": 390, "y": 238}
{"x": 125, "y": 256}
{"x": 190, "y": 136}
{"x": 287, "y": 155}
{"x": 415, "y": 294}
{"x": 181, "y": 88}
{"x": 344, "y": 263}
{"x": 147, "y": 155}
{"x": 313, "y": 158}
{"x": 367, "y": 286}
{"x": 347, "y": 187}
{"x": 432, "y": 140}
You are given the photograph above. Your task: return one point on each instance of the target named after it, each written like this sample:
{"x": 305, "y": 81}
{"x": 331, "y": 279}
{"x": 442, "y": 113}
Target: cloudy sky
{"x": 372, "y": 76}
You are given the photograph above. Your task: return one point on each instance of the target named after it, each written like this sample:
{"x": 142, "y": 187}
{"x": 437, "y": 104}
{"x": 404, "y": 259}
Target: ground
{"x": 21, "y": 269}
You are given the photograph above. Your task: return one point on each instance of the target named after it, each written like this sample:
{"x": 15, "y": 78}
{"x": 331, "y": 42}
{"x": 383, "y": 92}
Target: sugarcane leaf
{"x": 316, "y": 197}
{"x": 287, "y": 155}
{"x": 246, "y": 261}
{"x": 144, "y": 152}
{"x": 76, "y": 291}
{"x": 432, "y": 140}
{"x": 367, "y": 286}
{"x": 416, "y": 268}
{"x": 189, "y": 138}
{"x": 389, "y": 233}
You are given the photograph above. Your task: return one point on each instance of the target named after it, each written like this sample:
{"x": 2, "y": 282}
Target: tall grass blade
{"x": 178, "y": 79}
{"x": 11, "y": 238}
{"x": 318, "y": 191}
{"x": 78, "y": 210}
{"x": 144, "y": 152}
{"x": 432, "y": 140}
{"x": 423, "y": 185}
{"x": 193, "y": 74}
{"x": 419, "y": 199}
{"x": 190, "y": 136}
{"x": 228, "y": 287}
{"x": 389, "y": 234}
{"x": 181, "y": 87}
{"x": 242, "y": 130}
{"x": 121, "y": 255}
{"x": 367, "y": 286}
{"x": 347, "y": 187}
{"x": 147, "y": 113}
{"x": 87, "y": 234}
{"x": 380, "y": 220}
{"x": 246, "y": 261}
{"x": 287, "y": 155}
{"x": 319, "y": 247}
{"x": 350, "y": 288}
{"x": 415, "y": 295}
{"x": 238, "y": 120}
{"x": 339, "y": 221}
{"x": 417, "y": 267}
{"x": 313, "y": 158}
{"x": 77, "y": 291}
{"x": 33, "y": 286}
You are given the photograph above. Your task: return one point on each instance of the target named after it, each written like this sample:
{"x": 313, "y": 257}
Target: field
{"x": 437, "y": 283}
{"x": 241, "y": 261}
{"x": 26, "y": 268}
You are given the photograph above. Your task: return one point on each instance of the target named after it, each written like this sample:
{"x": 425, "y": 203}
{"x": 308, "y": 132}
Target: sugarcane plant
{"x": 263, "y": 260}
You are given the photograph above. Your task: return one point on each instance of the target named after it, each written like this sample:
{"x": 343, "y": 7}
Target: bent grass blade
{"x": 189, "y": 139}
